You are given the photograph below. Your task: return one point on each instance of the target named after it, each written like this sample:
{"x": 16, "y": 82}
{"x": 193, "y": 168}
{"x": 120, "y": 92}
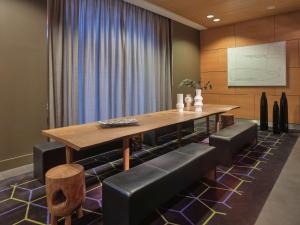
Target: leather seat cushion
{"x": 228, "y": 133}
{"x": 138, "y": 191}
{"x": 131, "y": 181}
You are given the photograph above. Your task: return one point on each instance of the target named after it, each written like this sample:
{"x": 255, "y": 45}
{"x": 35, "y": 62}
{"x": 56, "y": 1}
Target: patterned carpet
{"x": 23, "y": 200}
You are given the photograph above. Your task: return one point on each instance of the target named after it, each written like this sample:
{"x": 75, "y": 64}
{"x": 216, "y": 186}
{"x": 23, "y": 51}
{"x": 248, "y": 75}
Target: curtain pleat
{"x": 107, "y": 59}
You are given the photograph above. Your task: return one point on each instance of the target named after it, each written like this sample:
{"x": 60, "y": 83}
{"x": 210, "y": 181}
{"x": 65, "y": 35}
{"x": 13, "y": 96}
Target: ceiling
{"x": 229, "y": 11}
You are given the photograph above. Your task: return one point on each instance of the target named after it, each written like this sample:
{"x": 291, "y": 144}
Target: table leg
{"x": 68, "y": 220}
{"x": 217, "y": 124}
{"x": 207, "y": 125}
{"x": 79, "y": 212}
{"x": 126, "y": 153}
{"x": 179, "y": 135}
{"x": 69, "y": 155}
{"x": 53, "y": 220}
{"x": 212, "y": 174}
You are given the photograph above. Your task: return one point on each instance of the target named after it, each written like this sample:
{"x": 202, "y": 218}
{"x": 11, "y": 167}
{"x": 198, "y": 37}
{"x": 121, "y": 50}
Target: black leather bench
{"x": 135, "y": 193}
{"x": 232, "y": 139}
{"x": 50, "y": 154}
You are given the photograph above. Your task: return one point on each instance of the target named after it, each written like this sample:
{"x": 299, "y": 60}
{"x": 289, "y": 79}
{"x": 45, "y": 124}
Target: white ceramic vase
{"x": 180, "y": 105}
{"x": 198, "y": 101}
{"x": 188, "y": 101}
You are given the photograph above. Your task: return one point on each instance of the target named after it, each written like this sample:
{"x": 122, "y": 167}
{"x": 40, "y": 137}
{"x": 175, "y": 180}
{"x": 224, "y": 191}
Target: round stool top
{"x": 64, "y": 171}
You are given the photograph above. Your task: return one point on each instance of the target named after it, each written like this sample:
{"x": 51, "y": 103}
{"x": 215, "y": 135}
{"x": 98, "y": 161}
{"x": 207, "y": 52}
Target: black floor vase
{"x": 276, "y": 129}
{"x": 263, "y": 112}
{"x": 284, "y": 121}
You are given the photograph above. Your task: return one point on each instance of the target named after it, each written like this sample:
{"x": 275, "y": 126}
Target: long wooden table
{"x": 85, "y": 136}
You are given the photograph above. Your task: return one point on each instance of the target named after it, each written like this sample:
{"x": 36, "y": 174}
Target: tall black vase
{"x": 284, "y": 121}
{"x": 276, "y": 129}
{"x": 263, "y": 112}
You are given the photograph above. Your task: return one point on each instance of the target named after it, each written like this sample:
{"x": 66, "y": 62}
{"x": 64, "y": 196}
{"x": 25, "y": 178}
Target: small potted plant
{"x": 198, "y": 98}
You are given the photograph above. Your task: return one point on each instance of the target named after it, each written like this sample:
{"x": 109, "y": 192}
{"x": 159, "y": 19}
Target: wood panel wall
{"x": 213, "y": 63}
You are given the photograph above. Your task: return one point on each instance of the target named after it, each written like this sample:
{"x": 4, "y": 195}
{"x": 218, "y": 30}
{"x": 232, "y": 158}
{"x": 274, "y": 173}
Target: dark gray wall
{"x": 23, "y": 79}
{"x": 186, "y": 55}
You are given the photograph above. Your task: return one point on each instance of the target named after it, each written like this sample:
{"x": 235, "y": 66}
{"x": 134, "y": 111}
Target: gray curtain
{"x": 107, "y": 59}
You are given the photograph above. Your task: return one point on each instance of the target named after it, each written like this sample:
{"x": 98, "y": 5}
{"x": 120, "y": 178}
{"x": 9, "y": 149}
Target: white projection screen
{"x": 257, "y": 65}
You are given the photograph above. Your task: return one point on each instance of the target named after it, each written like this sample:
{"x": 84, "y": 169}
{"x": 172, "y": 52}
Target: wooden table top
{"x": 85, "y": 136}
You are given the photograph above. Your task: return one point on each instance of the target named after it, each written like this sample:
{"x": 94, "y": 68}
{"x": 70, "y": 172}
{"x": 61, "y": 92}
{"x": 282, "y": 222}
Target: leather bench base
{"x": 137, "y": 192}
{"x": 230, "y": 140}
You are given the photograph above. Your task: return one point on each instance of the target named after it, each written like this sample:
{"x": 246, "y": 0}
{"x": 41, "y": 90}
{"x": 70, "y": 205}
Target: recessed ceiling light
{"x": 216, "y": 20}
{"x": 271, "y": 7}
{"x": 210, "y": 16}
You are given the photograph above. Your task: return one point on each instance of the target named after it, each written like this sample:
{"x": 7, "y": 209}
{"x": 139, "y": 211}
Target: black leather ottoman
{"x": 232, "y": 139}
{"x": 50, "y": 154}
{"x": 46, "y": 156}
{"x": 137, "y": 192}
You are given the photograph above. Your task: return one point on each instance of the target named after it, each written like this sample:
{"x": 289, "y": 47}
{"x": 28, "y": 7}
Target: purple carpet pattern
{"x": 23, "y": 200}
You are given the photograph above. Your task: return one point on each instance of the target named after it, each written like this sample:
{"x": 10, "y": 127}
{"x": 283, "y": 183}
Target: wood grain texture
{"x": 293, "y": 81}
{"x": 254, "y": 90}
{"x": 65, "y": 189}
{"x": 255, "y": 32}
{"x": 80, "y": 137}
{"x": 216, "y": 38}
{"x": 210, "y": 98}
{"x": 69, "y": 154}
{"x": 293, "y": 55}
{"x": 246, "y": 103}
{"x": 285, "y": 27}
{"x": 213, "y": 60}
{"x": 63, "y": 172}
{"x": 229, "y": 11}
{"x": 126, "y": 153}
{"x": 219, "y": 81}
{"x": 294, "y": 109}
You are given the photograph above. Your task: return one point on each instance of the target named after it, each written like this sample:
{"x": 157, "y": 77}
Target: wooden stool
{"x": 65, "y": 189}
{"x": 227, "y": 120}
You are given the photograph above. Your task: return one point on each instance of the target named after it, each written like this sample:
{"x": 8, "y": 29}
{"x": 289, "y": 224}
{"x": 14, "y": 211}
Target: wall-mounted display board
{"x": 257, "y": 65}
